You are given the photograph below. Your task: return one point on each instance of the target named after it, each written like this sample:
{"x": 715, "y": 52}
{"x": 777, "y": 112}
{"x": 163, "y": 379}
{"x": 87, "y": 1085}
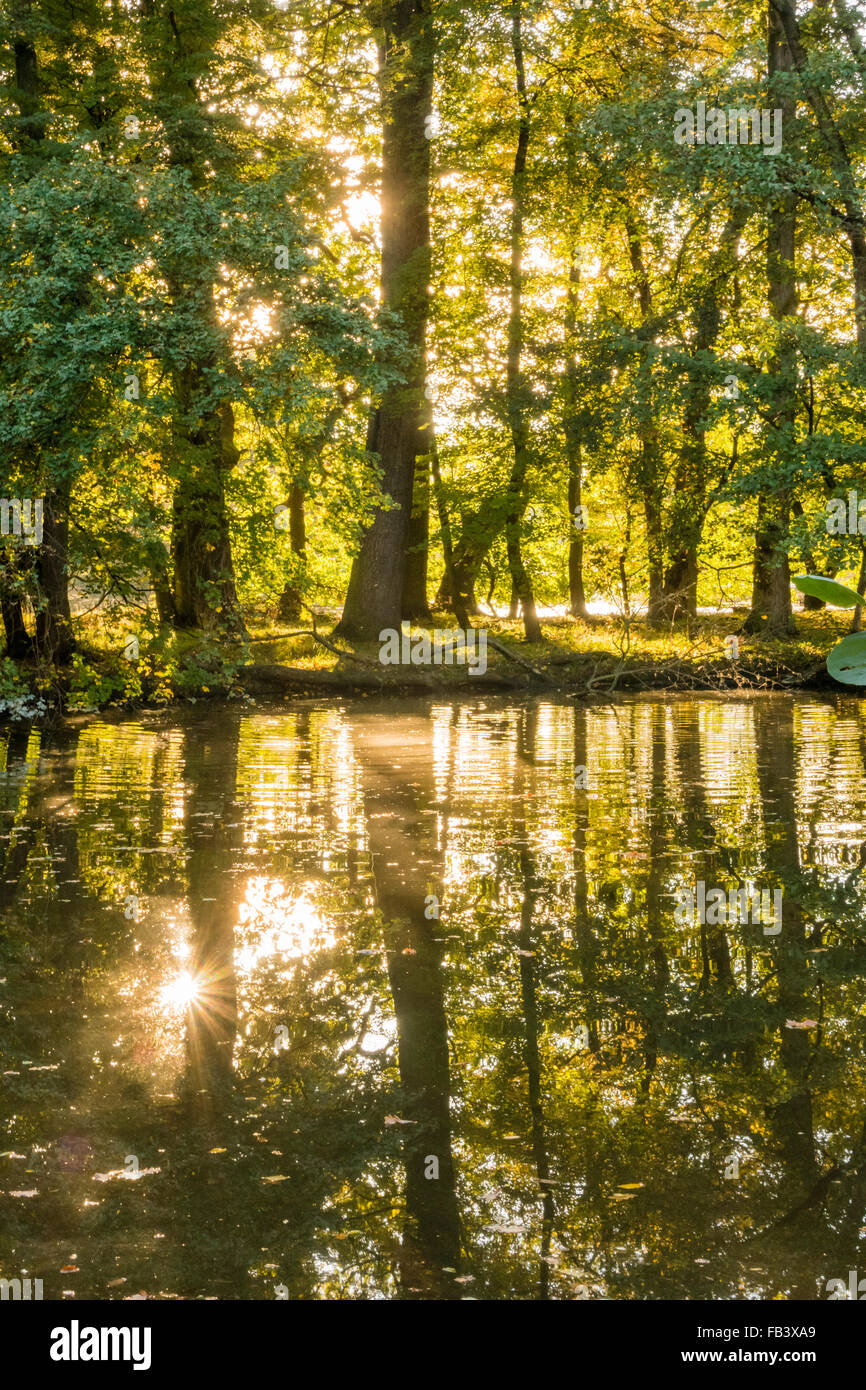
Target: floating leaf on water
{"x": 847, "y": 661}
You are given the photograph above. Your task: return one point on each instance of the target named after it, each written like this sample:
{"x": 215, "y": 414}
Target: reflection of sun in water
{"x": 271, "y": 924}
{"x": 179, "y": 993}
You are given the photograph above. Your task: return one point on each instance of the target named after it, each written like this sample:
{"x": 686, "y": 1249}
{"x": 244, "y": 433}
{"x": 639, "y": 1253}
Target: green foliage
{"x": 191, "y": 332}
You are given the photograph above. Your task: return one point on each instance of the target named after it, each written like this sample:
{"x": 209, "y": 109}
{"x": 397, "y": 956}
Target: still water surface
{"x": 372, "y": 1001}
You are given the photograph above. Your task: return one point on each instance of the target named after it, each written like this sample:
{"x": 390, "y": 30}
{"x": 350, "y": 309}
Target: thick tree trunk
{"x": 54, "y": 637}
{"x": 13, "y": 565}
{"x": 18, "y": 642}
{"x": 771, "y": 589}
{"x": 375, "y": 596}
{"x": 204, "y": 585}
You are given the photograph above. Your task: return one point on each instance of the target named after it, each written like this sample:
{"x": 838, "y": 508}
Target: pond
{"x": 413, "y": 999}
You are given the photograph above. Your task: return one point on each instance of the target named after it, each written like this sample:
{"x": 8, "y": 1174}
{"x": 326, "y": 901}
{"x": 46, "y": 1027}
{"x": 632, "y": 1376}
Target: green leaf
{"x": 839, "y": 595}
{"x": 847, "y": 661}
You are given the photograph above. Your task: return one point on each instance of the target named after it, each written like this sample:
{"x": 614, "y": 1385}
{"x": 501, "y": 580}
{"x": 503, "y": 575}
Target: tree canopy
{"x": 407, "y": 306}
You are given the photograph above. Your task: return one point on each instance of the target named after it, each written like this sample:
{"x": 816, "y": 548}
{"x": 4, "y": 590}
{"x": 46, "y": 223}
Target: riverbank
{"x": 583, "y": 659}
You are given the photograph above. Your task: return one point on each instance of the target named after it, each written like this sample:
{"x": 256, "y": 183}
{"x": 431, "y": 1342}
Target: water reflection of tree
{"x": 690, "y": 1055}
{"x": 406, "y": 864}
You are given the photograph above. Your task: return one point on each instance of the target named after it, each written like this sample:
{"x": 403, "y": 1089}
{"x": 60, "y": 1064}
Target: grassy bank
{"x": 585, "y": 659}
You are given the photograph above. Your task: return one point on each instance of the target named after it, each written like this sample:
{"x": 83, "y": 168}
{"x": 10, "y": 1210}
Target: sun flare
{"x": 180, "y": 993}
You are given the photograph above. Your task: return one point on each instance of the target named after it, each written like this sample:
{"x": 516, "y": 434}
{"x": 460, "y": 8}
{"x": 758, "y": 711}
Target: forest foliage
{"x": 402, "y": 306}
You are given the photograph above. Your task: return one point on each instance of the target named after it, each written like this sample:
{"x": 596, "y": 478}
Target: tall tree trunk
{"x": 785, "y": 34}
{"x": 291, "y": 597}
{"x": 771, "y": 589}
{"x": 516, "y": 386}
{"x": 54, "y": 637}
{"x": 449, "y": 589}
{"x": 649, "y": 465}
{"x": 204, "y": 584}
{"x": 415, "y": 605}
{"x": 18, "y": 640}
{"x": 406, "y": 57}
{"x": 181, "y": 57}
{"x": 689, "y": 502}
{"x": 571, "y": 415}
{"x": 811, "y": 604}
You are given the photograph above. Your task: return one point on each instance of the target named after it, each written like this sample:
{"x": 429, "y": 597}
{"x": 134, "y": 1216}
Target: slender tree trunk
{"x": 181, "y": 55}
{"x": 785, "y": 34}
{"x": 649, "y": 465}
{"x": 811, "y": 604}
{"x": 448, "y": 591}
{"x": 571, "y": 417}
{"x": 406, "y": 58}
{"x": 771, "y": 590}
{"x": 477, "y": 534}
{"x": 516, "y": 387}
{"x": 689, "y": 502}
{"x": 291, "y": 597}
{"x": 415, "y": 605}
